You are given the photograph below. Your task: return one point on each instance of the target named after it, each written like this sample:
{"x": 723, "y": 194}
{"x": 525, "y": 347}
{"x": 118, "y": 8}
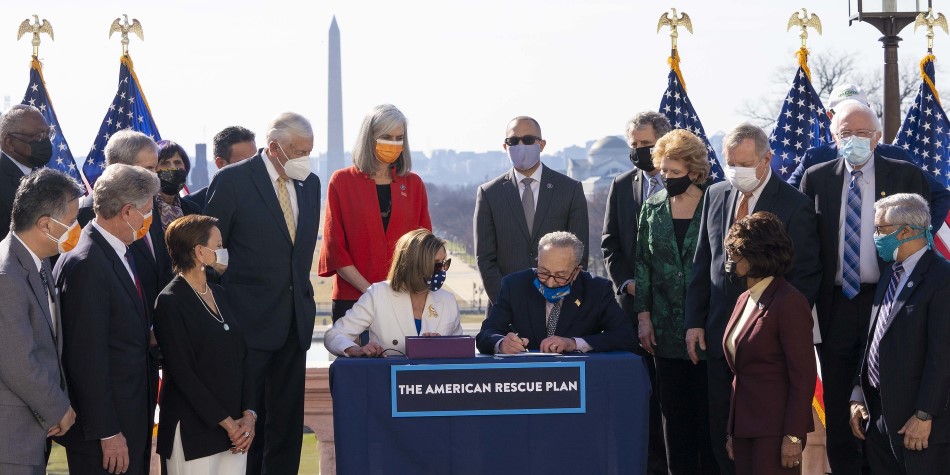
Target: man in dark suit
{"x": 268, "y": 208}
{"x": 231, "y": 145}
{"x": 899, "y": 404}
{"x": 34, "y": 403}
{"x": 619, "y": 243}
{"x": 555, "y": 308}
{"x": 843, "y": 193}
{"x": 711, "y": 296}
{"x": 106, "y": 330}
{"x": 513, "y": 211}
{"x": 24, "y": 146}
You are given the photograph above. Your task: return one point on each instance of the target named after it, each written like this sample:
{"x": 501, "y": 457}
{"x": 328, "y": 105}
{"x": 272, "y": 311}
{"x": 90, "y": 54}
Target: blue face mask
{"x": 888, "y": 245}
{"x": 524, "y": 156}
{"x": 552, "y": 294}
{"x": 856, "y": 150}
{"x": 435, "y": 283}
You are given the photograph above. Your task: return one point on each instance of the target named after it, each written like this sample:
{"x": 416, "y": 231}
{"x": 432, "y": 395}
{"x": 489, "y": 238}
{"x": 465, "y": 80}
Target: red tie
{"x": 135, "y": 274}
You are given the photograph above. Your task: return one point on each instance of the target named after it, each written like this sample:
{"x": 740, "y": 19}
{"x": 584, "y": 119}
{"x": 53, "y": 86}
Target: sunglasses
{"x": 527, "y": 140}
{"x": 444, "y": 265}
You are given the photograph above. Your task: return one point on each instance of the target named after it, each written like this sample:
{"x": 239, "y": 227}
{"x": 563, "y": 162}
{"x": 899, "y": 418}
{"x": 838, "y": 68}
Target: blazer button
{"x": 395, "y": 342}
{"x": 291, "y": 288}
{"x": 679, "y": 274}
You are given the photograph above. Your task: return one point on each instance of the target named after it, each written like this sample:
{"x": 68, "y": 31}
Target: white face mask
{"x": 220, "y": 256}
{"x": 742, "y": 178}
{"x": 295, "y": 168}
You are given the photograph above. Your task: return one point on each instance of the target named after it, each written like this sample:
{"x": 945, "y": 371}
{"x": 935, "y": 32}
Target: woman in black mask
{"x": 666, "y": 242}
{"x": 173, "y": 168}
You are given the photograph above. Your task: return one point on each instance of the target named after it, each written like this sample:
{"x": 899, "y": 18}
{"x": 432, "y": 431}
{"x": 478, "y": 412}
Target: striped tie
{"x": 883, "y": 319}
{"x": 851, "y": 267}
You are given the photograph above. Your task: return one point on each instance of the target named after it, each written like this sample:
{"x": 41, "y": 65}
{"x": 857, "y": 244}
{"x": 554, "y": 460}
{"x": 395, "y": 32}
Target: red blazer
{"x": 774, "y": 365}
{"x": 353, "y": 230}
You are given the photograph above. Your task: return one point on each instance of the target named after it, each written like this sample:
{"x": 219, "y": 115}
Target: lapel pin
{"x": 761, "y": 306}
{"x": 550, "y": 186}
{"x": 402, "y": 187}
{"x": 910, "y": 284}
{"x": 300, "y": 184}
{"x": 883, "y": 194}
{"x": 577, "y": 302}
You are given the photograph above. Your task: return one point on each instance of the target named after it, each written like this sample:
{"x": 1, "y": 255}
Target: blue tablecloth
{"x": 611, "y": 438}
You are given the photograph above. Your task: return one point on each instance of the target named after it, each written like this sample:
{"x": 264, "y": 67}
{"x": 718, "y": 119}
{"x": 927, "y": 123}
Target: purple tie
{"x": 883, "y": 319}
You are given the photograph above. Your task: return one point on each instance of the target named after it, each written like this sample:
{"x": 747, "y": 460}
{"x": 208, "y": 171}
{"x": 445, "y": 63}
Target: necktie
{"x": 45, "y": 279}
{"x": 883, "y": 319}
{"x": 552, "y": 319}
{"x": 284, "y": 198}
{"x": 135, "y": 273}
{"x": 743, "y": 210}
{"x": 527, "y": 202}
{"x": 851, "y": 265}
{"x": 653, "y": 188}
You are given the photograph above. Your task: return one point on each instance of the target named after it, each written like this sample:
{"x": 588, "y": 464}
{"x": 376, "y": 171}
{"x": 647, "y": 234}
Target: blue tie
{"x": 851, "y": 268}
{"x": 883, "y": 319}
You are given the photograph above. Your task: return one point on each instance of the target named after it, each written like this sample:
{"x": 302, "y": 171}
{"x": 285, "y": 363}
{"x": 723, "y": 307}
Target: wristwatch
{"x": 923, "y": 416}
{"x": 793, "y": 439}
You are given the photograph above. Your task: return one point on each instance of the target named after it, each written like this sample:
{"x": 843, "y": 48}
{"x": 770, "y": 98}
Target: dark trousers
{"x": 761, "y": 456}
{"x": 279, "y": 376}
{"x": 683, "y": 394}
{"x": 81, "y": 463}
{"x": 841, "y": 351}
{"x": 338, "y": 308}
{"x": 656, "y": 449}
{"x": 885, "y": 450}
{"x": 720, "y": 392}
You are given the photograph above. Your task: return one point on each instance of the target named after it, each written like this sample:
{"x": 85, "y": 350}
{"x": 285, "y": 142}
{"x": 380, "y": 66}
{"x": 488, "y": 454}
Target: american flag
{"x": 129, "y": 109}
{"x": 801, "y": 125}
{"x": 37, "y": 96}
{"x": 677, "y": 107}
{"x": 925, "y": 134}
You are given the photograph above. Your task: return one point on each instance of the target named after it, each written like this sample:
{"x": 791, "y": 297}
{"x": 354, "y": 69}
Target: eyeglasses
{"x": 444, "y": 265}
{"x": 527, "y": 140}
{"x": 559, "y": 280}
{"x": 878, "y": 229}
{"x": 37, "y": 136}
{"x": 863, "y": 133}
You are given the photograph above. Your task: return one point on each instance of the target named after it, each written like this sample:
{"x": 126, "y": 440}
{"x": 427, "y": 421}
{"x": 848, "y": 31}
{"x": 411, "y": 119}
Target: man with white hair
{"x": 106, "y": 330}
{"x": 899, "y": 405}
{"x": 840, "y": 97}
{"x": 844, "y": 191}
{"x": 268, "y": 207}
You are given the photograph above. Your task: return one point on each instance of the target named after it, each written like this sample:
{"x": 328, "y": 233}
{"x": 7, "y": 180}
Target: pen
{"x": 512, "y": 328}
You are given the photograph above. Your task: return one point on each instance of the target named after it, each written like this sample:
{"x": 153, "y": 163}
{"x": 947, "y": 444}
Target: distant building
{"x": 198, "y": 178}
{"x": 606, "y": 158}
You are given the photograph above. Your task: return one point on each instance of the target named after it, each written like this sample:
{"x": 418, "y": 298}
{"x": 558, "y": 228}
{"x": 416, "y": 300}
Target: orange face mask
{"x": 143, "y": 230}
{"x": 69, "y": 239}
{"x": 388, "y": 151}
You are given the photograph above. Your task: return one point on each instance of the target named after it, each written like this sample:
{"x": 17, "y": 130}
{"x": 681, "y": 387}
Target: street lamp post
{"x": 889, "y": 17}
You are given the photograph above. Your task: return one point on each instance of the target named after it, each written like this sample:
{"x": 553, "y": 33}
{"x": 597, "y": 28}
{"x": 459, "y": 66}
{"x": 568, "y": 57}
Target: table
{"x": 610, "y": 438}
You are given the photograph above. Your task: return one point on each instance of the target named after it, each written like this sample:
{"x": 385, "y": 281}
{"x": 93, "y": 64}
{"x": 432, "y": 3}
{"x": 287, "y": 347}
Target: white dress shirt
{"x": 581, "y": 345}
{"x": 118, "y": 246}
{"x": 869, "y": 271}
{"x": 535, "y": 185}
{"x": 23, "y": 168}
{"x": 289, "y": 184}
{"x": 39, "y": 268}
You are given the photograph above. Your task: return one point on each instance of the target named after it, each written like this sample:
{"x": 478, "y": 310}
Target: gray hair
{"x": 287, "y": 125}
{"x": 736, "y": 136}
{"x": 562, "y": 240}
{"x": 10, "y": 119}
{"x": 379, "y": 121}
{"x": 850, "y": 107}
{"x": 904, "y": 209}
{"x": 124, "y": 146}
{"x": 659, "y": 122}
{"x": 122, "y": 184}
{"x": 45, "y": 192}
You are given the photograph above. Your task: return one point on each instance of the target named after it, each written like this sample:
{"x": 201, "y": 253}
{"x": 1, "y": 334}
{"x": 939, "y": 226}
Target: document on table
{"x": 526, "y": 353}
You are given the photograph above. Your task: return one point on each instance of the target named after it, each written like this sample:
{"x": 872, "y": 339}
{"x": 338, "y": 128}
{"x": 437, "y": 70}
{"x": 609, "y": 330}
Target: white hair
{"x": 562, "y": 240}
{"x": 124, "y": 146}
{"x": 288, "y": 124}
{"x": 122, "y": 184}
{"x": 904, "y": 209}
{"x": 846, "y": 108}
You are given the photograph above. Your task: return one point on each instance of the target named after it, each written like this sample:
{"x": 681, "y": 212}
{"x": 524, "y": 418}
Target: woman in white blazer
{"x": 410, "y": 302}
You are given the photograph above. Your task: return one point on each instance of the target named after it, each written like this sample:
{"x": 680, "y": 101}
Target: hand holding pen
{"x": 512, "y": 343}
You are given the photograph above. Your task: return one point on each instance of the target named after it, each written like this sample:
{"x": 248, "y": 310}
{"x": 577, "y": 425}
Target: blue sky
{"x": 458, "y": 69}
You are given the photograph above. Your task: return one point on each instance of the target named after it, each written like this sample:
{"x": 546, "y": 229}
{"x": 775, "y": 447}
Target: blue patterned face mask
{"x": 552, "y": 294}
{"x": 435, "y": 283}
{"x": 888, "y": 245}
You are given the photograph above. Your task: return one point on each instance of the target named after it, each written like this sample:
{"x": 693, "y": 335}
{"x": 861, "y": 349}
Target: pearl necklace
{"x": 207, "y": 308}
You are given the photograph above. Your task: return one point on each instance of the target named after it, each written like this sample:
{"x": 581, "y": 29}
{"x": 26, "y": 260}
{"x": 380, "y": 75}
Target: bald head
{"x": 525, "y": 123}
{"x": 19, "y": 126}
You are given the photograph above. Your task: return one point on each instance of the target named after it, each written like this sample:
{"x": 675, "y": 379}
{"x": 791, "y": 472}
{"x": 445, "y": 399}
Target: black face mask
{"x": 734, "y": 278}
{"x": 172, "y": 180}
{"x": 642, "y": 158}
{"x": 40, "y": 151}
{"x": 677, "y": 186}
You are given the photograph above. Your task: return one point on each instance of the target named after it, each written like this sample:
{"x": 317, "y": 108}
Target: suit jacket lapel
{"x": 119, "y": 268}
{"x": 402, "y": 312}
{"x": 569, "y": 308}
{"x": 265, "y": 188}
{"x": 912, "y": 284}
{"x": 536, "y": 306}
{"x": 545, "y": 195}
{"x": 33, "y": 276}
{"x": 833, "y": 203}
{"x": 514, "y": 202}
{"x": 882, "y": 179}
{"x": 692, "y": 236}
{"x": 758, "y": 311}
{"x": 638, "y": 187}
{"x": 729, "y": 212}
{"x": 769, "y": 195}
{"x": 733, "y": 321}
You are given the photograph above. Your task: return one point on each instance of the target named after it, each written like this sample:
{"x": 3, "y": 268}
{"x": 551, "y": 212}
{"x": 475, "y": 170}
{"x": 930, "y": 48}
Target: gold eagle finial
{"x": 36, "y": 28}
{"x": 124, "y": 27}
{"x": 803, "y": 20}
{"x": 673, "y": 21}
{"x": 929, "y": 20}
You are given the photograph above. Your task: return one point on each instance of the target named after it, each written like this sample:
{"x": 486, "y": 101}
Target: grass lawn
{"x": 309, "y": 458}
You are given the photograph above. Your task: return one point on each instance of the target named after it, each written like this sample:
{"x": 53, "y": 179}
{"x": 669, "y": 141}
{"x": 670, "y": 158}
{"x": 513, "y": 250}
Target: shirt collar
{"x": 36, "y": 260}
{"x": 271, "y": 169}
{"x": 912, "y": 260}
{"x": 867, "y": 171}
{"x": 23, "y": 168}
{"x": 756, "y": 193}
{"x": 536, "y": 176}
{"x": 116, "y": 243}
{"x": 755, "y": 293}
